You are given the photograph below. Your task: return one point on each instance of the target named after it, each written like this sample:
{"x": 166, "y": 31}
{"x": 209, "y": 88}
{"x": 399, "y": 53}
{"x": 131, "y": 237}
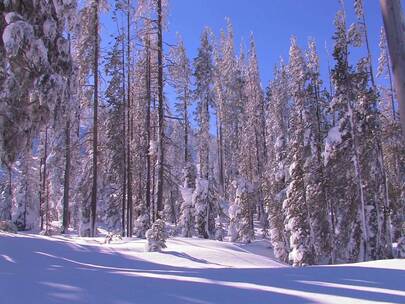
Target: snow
{"x": 14, "y": 36}
{"x": 334, "y": 138}
{"x": 39, "y": 269}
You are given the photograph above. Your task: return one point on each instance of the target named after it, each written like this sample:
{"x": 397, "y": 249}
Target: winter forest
{"x": 125, "y": 137}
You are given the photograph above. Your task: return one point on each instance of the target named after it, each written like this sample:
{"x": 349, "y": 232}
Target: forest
{"x": 127, "y": 134}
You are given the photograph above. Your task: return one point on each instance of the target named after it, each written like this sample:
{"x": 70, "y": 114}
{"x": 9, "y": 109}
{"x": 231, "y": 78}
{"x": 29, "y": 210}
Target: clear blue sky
{"x": 272, "y": 22}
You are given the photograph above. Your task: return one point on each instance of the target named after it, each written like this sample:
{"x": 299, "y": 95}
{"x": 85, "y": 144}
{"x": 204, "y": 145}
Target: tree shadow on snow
{"x": 59, "y": 272}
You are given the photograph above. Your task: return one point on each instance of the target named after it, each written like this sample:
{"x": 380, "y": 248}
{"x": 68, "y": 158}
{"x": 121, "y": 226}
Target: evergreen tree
{"x": 203, "y": 93}
{"x": 315, "y": 193}
{"x": 296, "y": 205}
{"x": 276, "y": 175}
{"x": 241, "y": 213}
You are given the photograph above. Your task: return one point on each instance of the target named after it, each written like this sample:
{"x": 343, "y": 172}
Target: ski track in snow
{"x": 39, "y": 269}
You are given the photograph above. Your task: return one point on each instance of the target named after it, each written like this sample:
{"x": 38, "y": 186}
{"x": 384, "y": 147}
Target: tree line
{"x": 90, "y": 139}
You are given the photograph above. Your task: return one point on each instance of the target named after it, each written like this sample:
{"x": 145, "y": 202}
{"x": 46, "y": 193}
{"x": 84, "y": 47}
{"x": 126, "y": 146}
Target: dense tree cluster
{"x": 89, "y": 139}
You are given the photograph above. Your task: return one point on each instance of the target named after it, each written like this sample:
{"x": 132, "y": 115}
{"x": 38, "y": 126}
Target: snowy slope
{"x": 38, "y": 269}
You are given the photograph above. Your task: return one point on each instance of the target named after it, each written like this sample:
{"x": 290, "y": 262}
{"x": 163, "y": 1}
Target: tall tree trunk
{"x": 41, "y": 213}
{"x": 10, "y": 191}
{"x": 66, "y": 182}
{"x": 394, "y": 29}
{"x": 148, "y": 135}
{"x": 124, "y": 147}
{"x": 93, "y": 207}
{"x": 129, "y": 135}
{"x": 66, "y": 179}
{"x": 185, "y": 114}
{"x": 44, "y": 181}
{"x": 159, "y": 202}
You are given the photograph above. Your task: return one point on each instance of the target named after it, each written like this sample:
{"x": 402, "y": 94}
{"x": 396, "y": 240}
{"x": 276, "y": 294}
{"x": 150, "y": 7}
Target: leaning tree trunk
{"x": 394, "y": 28}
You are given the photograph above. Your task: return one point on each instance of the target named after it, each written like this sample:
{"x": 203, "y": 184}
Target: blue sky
{"x": 272, "y": 22}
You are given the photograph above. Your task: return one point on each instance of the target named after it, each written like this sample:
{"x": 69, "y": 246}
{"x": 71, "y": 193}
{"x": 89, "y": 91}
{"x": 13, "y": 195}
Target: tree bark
{"x": 159, "y": 202}
{"x": 148, "y": 135}
{"x": 66, "y": 179}
{"x": 129, "y": 135}
{"x": 44, "y": 178}
{"x": 185, "y": 126}
{"x": 124, "y": 154}
{"x": 66, "y": 182}
{"x": 93, "y": 207}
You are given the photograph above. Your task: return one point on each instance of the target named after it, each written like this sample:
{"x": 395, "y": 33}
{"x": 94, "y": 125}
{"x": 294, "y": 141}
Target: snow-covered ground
{"x": 38, "y": 269}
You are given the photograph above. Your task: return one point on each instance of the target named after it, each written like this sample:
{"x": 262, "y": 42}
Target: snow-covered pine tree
{"x": 373, "y": 154}
{"x": 315, "y": 184}
{"x": 141, "y": 131}
{"x": 187, "y": 213}
{"x": 156, "y": 236}
{"x": 392, "y": 144}
{"x": 203, "y": 73}
{"x": 376, "y": 216}
{"x": 276, "y": 176}
{"x": 254, "y": 146}
{"x": 115, "y": 136}
{"x": 26, "y": 210}
{"x": 241, "y": 212}
{"x": 296, "y": 205}
{"x": 356, "y": 184}
{"x": 205, "y": 203}
{"x": 180, "y": 74}
{"x": 86, "y": 51}
{"x": 344, "y": 191}
{"x": 204, "y": 195}
{"x": 34, "y": 60}
{"x": 229, "y": 90}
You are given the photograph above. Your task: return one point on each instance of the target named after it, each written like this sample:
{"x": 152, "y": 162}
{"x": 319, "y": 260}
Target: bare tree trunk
{"x": 93, "y": 207}
{"x": 394, "y": 28}
{"x": 159, "y": 202}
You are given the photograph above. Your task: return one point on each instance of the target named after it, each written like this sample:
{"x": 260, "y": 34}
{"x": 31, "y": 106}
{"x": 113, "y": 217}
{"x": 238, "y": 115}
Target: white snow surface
{"x": 40, "y": 269}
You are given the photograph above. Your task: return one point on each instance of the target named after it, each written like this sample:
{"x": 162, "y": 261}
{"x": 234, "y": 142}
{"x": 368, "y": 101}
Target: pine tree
{"x": 115, "y": 129}
{"x": 392, "y": 144}
{"x": 241, "y": 213}
{"x": 35, "y": 61}
{"x": 156, "y": 236}
{"x": 26, "y": 216}
{"x": 296, "y": 204}
{"x": 315, "y": 193}
{"x": 275, "y": 182}
{"x": 203, "y": 92}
